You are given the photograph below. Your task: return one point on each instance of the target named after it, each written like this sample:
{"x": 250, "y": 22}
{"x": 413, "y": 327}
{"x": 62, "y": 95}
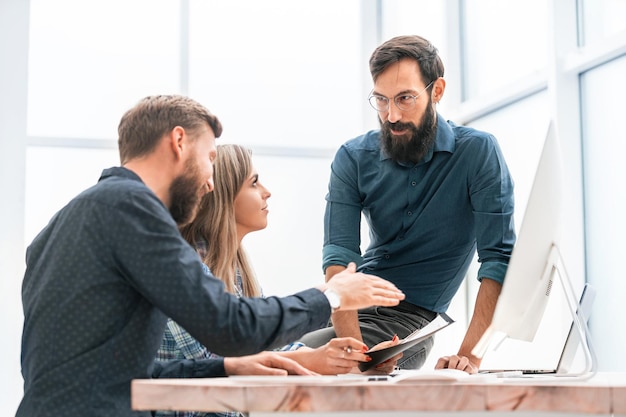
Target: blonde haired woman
{"x": 238, "y": 206}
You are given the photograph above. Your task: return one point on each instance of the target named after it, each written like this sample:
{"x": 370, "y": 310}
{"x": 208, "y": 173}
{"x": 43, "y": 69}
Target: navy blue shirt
{"x": 425, "y": 220}
{"x": 101, "y": 279}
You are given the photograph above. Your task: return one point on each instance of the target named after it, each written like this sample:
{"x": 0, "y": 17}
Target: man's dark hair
{"x": 412, "y": 47}
{"x": 143, "y": 126}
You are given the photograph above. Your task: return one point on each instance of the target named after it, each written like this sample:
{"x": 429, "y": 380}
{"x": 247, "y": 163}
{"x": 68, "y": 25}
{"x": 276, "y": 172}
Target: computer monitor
{"x": 531, "y": 271}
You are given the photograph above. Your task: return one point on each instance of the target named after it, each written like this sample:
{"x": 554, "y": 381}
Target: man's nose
{"x": 394, "y": 114}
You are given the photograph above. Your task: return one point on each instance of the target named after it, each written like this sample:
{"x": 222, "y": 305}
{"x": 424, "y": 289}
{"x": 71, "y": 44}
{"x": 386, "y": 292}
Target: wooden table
{"x": 603, "y": 394}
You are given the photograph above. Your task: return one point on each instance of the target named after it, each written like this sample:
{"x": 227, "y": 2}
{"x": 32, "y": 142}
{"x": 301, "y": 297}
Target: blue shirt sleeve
{"x": 342, "y": 219}
{"x": 491, "y": 195}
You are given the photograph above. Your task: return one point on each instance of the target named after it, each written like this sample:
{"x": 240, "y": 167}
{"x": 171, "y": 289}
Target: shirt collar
{"x": 119, "y": 172}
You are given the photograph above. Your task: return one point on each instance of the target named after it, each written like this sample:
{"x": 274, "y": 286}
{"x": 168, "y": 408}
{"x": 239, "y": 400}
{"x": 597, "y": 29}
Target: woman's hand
{"x": 389, "y": 365}
{"x": 338, "y": 356}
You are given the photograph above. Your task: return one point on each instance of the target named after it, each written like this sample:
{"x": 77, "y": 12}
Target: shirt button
{"x": 409, "y": 213}
{"x": 413, "y": 183}
{"x": 387, "y": 256}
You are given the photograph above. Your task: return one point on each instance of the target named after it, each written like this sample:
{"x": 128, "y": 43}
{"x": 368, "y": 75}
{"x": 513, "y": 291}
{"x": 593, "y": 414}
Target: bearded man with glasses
{"x": 433, "y": 194}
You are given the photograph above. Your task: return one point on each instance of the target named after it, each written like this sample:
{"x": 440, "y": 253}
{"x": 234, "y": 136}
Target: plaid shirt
{"x": 178, "y": 344}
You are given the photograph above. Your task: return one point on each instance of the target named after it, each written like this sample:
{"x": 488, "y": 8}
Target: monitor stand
{"x": 579, "y": 320}
{"x": 556, "y": 266}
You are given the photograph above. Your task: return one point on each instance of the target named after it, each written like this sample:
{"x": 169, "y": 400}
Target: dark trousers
{"x": 379, "y": 324}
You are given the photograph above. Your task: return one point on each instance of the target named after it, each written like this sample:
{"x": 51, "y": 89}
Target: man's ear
{"x": 177, "y": 141}
{"x": 438, "y": 89}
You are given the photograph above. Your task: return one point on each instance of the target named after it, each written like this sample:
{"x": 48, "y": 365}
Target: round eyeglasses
{"x": 403, "y": 102}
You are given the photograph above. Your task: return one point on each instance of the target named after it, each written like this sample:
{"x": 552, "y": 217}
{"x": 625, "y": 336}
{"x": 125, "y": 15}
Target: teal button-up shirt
{"x": 427, "y": 220}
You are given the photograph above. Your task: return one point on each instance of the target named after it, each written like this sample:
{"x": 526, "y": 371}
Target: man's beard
{"x": 413, "y": 149}
{"x": 184, "y": 195}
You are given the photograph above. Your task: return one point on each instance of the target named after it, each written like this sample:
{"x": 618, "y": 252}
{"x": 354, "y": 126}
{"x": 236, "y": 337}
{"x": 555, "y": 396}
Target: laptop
{"x": 572, "y": 342}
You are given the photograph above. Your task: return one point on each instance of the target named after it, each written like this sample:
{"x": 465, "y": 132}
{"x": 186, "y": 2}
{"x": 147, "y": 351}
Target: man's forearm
{"x": 483, "y": 314}
{"x": 346, "y": 323}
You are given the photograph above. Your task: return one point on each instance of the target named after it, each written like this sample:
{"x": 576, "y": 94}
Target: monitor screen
{"x": 530, "y": 274}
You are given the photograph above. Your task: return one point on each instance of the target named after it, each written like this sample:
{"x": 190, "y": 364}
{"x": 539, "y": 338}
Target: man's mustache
{"x": 399, "y": 126}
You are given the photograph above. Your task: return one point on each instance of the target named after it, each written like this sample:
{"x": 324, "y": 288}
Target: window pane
{"x": 415, "y": 17}
{"x": 605, "y": 205}
{"x": 91, "y": 61}
{"x": 280, "y": 72}
{"x": 54, "y": 176}
{"x": 504, "y": 40}
{"x": 602, "y": 19}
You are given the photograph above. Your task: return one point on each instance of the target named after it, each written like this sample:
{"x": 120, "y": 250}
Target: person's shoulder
{"x": 117, "y": 184}
{"x": 118, "y": 188}
{"x": 368, "y": 141}
{"x": 472, "y": 138}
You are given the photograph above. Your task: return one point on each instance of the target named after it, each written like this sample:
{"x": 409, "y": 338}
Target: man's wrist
{"x": 333, "y": 299}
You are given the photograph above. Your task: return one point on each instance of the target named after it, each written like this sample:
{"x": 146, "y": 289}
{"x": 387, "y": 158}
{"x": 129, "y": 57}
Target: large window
{"x": 292, "y": 78}
{"x": 289, "y": 79}
{"x": 605, "y": 203}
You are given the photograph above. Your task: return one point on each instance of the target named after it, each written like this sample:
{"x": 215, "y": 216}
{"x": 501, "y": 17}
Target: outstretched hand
{"x": 358, "y": 290}
{"x": 264, "y": 363}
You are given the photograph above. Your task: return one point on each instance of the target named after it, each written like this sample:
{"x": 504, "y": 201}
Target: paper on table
{"x": 380, "y": 355}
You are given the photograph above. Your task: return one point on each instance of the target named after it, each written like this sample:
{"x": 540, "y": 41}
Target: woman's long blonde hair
{"x": 215, "y": 221}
